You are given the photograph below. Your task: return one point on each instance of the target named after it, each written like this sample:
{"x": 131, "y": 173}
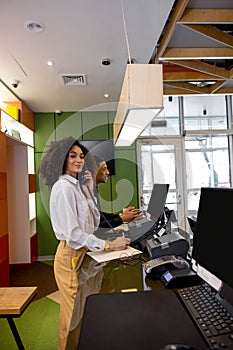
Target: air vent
{"x": 159, "y": 123}
{"x": 74, "y": 79}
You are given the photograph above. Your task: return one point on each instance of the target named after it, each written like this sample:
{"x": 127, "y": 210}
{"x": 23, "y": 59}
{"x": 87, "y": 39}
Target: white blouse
{"x": 74, "y": 218}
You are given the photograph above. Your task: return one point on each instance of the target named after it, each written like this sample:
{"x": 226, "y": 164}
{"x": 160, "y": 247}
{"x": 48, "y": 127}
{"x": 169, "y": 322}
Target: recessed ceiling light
{"x": 202, "y": 83}
{"x": 34, "y": 26}
{"x": 50, "y": 63}
{"x": 106, "y": 95}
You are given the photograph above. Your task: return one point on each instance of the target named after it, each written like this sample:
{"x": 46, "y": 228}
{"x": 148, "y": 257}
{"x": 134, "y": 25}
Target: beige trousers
{"x": 67, "y": 265}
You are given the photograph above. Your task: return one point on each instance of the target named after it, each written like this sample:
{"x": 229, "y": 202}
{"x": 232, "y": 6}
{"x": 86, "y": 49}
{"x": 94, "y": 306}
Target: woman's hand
{"x": 87, "y": 184}
{"x": 129, "y": 214}
{"x": 119, "y": 243}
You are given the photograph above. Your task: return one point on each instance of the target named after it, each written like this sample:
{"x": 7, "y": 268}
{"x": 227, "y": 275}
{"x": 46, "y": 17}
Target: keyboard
{"x": 138, "y": 221}
{"x": 206, "y": 309}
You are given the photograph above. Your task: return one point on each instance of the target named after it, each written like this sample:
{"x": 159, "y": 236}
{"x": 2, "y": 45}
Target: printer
{"x": 169, "y": 244}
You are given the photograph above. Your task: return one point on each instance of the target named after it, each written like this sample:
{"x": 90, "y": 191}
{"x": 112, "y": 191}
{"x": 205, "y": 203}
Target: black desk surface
{"x": 129, "y": 311}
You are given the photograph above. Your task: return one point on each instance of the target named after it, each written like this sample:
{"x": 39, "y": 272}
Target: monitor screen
{"x": 157, "y": 200}
{"x": 103, "y": 149}
{"x": 212, "y": 247}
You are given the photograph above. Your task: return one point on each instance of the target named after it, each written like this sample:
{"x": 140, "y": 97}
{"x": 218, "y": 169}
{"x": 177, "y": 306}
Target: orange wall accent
{"x": 3, "y": 152}
{"x": 3, "y": 217}
{"x": 4, "y": 244}
{"x": 34, "y": 248}
{"x": 32, "y": 183}
{"x": 3, "y": 186}
{"x": 4, "y": 262}
{"x": 26, "y": 114}
{"x": 27, "y": 117}
{"x": 5, "y": 273}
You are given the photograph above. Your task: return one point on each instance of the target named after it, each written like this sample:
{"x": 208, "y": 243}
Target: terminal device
{"x": 170, "y": 244}
{"x": 157, "y": 266}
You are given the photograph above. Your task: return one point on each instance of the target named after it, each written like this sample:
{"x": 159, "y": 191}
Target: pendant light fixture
{"x": 140, "y": 101}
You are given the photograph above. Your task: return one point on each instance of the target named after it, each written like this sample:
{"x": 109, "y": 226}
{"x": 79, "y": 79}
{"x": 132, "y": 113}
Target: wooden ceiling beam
{"x": 188, "y": 87}
{"x": 215, "y": 87}
{"x": 178, "y": 11}
{"x": 202, "y": 67}
{"x": 213, "y": 33}
{"x": 183, "y": 65}
{"x": 187, "y": 76}
{"x": 207, "y": 16}
{"x": 225, "y": 90}
{"x": 180, "y": 92}
{"x": 198, "y": 53}
{"x": 177, "y": 91}
{"x": 231, "y": 73}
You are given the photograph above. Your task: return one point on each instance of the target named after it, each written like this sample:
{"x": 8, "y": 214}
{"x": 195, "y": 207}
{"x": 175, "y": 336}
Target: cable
{"x": 125, "y": 30}
{"x": 101, "y": 213}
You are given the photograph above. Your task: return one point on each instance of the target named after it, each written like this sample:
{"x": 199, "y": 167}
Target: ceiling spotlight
{"x": 106, "y": 95}
{"x": 50, "y": 63}
{"x": 33, "y": 26}
{"x": 106, "y": 61}
{"x": 202, "y": 83}
{"x": 58, "y": 112}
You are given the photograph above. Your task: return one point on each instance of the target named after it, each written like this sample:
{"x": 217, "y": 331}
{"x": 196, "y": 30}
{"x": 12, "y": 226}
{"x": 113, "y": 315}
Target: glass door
{"x": 162, "y": 160}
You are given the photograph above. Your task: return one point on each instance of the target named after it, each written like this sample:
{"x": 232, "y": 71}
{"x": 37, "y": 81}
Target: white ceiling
{"x": 78, "y": 34}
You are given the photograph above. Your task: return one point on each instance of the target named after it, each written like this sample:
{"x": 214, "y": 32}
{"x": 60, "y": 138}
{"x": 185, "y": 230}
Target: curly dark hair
{"x": 53, "y": 163}
{"x": 99, "y": 160}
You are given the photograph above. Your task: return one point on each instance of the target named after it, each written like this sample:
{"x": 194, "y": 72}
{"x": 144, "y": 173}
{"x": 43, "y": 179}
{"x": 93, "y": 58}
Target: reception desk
{"x": 118, "y": 307}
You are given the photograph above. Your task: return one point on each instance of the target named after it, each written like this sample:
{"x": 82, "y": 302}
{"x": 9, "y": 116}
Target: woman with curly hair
{"x": 74, "y": 217}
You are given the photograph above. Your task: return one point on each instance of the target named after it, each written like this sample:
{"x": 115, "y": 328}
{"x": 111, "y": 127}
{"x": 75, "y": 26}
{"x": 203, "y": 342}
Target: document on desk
{"x": 102, "y": 256}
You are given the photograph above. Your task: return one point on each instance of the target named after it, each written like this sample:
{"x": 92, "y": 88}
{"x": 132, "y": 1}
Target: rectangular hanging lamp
{"x": 140, "y": 101}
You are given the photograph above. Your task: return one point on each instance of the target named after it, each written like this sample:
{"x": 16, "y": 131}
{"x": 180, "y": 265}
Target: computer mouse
{"x": 177, "y": 347}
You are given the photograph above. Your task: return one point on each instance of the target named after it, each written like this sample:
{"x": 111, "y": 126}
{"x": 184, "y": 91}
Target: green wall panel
{"x": 105, "y": 195}
{"x": 47, "y": 242}
{"x": 124, "y": 182}
{"x": 111, "y": 116}
{"x": 95, "y": 125}
{"x": 44, "y": 128}
{"x": 68, "y": 124}
{"x": 37, "y": 163}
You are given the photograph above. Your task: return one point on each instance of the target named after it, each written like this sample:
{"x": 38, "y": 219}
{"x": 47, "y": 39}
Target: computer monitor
{"x": 103, "y": 149}
{"x": 157, "y": 201}
{"x": 192, "y": 223}
{"x": 212, "y": 248}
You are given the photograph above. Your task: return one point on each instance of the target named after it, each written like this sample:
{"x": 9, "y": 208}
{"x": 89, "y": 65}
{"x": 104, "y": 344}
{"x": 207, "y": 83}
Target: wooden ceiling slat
{"x": 212, "y": 32}
{"x": 178, "y": 11}
{"x": 202, "y": 67}
{"x": 182, "y": 65}
{"x": 198, "y": 53}
{"x": 188, "y": 76}
{"x": 207, "y": 16}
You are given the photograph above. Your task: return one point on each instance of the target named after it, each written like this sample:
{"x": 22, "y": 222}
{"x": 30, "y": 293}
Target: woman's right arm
{"x": 119, "y": 243}
{"x": 70, "y": 217}
{"x": 74, "y": 228}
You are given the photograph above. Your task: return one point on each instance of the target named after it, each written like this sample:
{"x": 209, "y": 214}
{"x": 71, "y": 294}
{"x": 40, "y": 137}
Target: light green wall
{"x": 83, "y": 126}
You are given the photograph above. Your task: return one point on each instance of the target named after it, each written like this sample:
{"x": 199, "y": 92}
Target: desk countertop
{"x": 13, "y": 300}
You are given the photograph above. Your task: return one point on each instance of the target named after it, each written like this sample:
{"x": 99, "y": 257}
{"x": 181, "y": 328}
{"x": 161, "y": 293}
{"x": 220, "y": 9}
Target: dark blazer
{"x": 107, "y": 220}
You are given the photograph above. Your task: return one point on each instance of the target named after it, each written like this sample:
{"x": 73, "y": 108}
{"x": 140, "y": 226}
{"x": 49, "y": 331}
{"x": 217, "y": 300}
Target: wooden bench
{"x": 13, "y": 301}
